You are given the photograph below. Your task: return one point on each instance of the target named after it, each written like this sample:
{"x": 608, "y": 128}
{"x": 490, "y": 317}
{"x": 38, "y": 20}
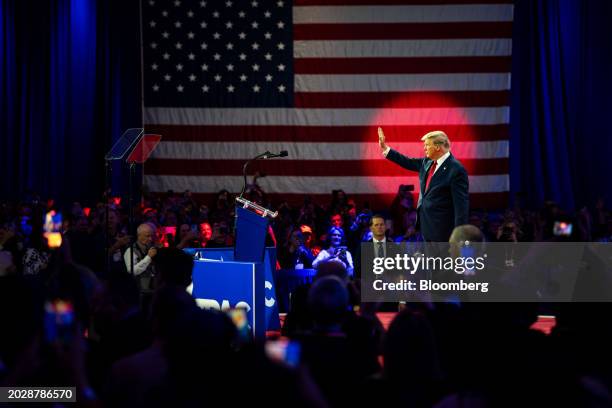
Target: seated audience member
{"x": 339, "y": 202}
{"x": 412, "y": 369}
{"x": 294, "y": 254}
{"x": 117, "y": 239}
{"x": 335, "y": 252}
{"x": 336, "y": 220}
{"x": 187, "y": 238}
{"x": 335, "y": 358}
{"x": 358, "y": 227}
{"x": 299, "y": 320}
{"x": 118, "y": 322}
{"x": 10, "y": 252}
{"x": 332, "y": 269}
{"x": 205, "y": 234}
{"x": 201, "y": 340}
{"x": 221, "y": 237}
{"x": 309, "y": 241}
{"x": 7, "y": 266}
{"x": 135, "y": 377}
{"x": 402, "y": 204}
{"x": 36, "y": 257}
{"x": 173, "y": 267}
{"x": 410, "y": 232}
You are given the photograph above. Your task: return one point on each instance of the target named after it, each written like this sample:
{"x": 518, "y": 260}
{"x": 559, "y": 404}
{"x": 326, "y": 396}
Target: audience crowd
{"x": 127, "y": 333}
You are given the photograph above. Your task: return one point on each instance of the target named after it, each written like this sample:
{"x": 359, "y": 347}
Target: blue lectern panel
{"x": 225, "y": 285}
{"x": 251, "y": 230}
{"x": 271, "y": 303}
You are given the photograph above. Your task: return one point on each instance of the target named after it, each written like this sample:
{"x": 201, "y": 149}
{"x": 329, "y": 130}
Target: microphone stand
{"x": 264, "y": 212}
{"x": 266, "y": 155}
{"x": 244, "y": 170}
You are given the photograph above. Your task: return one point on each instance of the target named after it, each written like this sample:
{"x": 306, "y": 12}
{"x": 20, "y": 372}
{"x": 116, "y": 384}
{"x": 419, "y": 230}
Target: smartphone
{"x": 468, "y": 252}
{"x": 59, "y": 322}
{"x": 52, "y": 229}
{"x": 283, "y": 351}
{"x": 562, "y": 229}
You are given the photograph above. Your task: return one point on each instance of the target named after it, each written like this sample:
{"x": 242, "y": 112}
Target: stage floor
{"x": 545, "y": 323}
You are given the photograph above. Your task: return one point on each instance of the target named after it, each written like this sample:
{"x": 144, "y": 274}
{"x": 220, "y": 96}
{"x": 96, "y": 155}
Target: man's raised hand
{"x": 381, "y": 139}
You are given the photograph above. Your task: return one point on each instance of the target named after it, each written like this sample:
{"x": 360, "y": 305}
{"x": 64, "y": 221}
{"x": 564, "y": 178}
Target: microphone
{"x": 268, "y": 155}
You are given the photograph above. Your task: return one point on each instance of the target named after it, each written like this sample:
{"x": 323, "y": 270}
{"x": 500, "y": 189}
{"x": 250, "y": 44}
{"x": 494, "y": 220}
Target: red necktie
{"x": 432, "y": 169}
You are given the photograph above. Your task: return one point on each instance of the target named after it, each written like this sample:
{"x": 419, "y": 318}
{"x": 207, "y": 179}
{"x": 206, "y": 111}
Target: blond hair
{"x": 437, "y": 137}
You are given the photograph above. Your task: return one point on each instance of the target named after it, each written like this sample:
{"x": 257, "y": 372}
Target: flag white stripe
{"x": 311, "y": 185}
{"x": 354, "y": 152}
{"x": 403, "y": 14}
{"x": 326, "y": 117}
{"x": 471, "y": 47}
{"x": 402, "y": 82}
{"x": 319, "y": 151}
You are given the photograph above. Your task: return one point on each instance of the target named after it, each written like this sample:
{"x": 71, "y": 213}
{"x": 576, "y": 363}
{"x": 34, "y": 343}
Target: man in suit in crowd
{"x": 443, "y": 199}
{"x": 379, "y": 245}
{"x": 379, "y": 239}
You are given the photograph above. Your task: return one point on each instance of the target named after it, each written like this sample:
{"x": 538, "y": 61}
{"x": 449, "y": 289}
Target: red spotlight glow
{"x": 405, "y": 118}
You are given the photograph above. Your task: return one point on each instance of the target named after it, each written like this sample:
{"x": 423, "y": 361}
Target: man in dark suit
{"x": 443, "y": 199}
{"x": 379, "y": 239}
{"x": 378, "y": 246}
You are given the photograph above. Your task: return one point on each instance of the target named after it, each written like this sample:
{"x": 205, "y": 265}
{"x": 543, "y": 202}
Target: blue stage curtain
{"x": 560, "y": 144}
{"x": 69, "y": 85}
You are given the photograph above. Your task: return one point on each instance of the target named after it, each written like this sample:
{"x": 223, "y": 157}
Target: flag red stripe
{"x": 401, "y": 99}
{"x": 307, "y": 168}
{"x": 401, "y": 31}
{"x": 425, "y": 65}
{"x": 432, "y": 23}
{"x": 377, "y": 202}
{"x": 338, "y": 134}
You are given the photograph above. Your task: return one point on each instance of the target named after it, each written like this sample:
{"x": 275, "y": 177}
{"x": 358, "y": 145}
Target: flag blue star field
{"x": 227, "y": 80}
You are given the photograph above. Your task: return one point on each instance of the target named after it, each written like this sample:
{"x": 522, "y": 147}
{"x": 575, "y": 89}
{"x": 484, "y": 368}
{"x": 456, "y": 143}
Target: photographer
{"x": 335, "y": 252}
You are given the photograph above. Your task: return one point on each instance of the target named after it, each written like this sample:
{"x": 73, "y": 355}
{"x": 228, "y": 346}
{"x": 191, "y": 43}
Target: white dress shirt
{"x": 441, "y": 160}
{"x": 384, "y": 242}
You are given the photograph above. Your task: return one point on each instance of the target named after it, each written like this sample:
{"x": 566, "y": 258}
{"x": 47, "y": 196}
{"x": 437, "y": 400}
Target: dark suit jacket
{"x": 366, "y": 251}
{"x": 446, "y": 204}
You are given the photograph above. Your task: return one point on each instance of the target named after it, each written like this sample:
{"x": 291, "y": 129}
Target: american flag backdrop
{"x": 227, "y": 80}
